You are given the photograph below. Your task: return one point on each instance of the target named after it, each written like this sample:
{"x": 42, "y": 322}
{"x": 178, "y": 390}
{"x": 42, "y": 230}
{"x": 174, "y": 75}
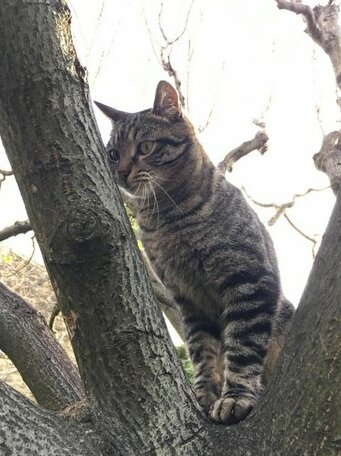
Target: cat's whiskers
{"x": 156, "y": 204}
{"x": 147, "y": 193}
{"x": 167, "y": 194}
{"x": 142, "y": 198}
{"x": 136, "y": 191}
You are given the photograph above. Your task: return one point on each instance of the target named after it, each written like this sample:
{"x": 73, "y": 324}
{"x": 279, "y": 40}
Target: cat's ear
{"x": 112, "y": 113}
{"x": 166, "y": 102}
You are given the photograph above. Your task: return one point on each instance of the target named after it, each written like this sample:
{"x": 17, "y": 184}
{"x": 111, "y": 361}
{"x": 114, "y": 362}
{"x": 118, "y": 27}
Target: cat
{"x": 208, "y": 247}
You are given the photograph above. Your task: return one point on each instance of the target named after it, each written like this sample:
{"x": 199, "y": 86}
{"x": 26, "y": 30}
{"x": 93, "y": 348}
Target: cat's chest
{"x": 177, "y": 260}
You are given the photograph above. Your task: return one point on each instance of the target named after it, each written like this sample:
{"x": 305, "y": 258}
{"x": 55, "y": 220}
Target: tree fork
{"x": 138, "y": 399}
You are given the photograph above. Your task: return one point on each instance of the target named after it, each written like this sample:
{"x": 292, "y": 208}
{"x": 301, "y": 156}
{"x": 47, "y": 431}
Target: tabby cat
{"x": 208, "y": 247}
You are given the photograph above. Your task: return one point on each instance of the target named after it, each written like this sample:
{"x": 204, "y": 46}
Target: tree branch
{"x": 41, "y": 361}
{"x": 29, "y": 429}
{"x": 328, "y": 159}
{"x": 259, "y": 142}
{"x": 304, "y": 392}
{"x": 313, "y": 29}
{"x": 3, "y": 174}
{"x": 116, "y": 328}
{"x": 6, "y": 173}
{"x": 323, "y": 27}
{"x": 15, "y": 229}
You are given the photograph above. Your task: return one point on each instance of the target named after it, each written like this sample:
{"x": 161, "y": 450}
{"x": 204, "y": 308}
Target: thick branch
{"x": 41, "y": 361}
{"x": 27, "y": 429}
{"x": 323, "y": 27}
{"x": 116, "y": 328}
{"x": 328, "y": 159}
{"x": 15, "y": 229}
{"x": 259, "y": 142}
{"x": 312, "y": 28}
{"x": 304, "y": 398}
{"x": 115, "y": 325}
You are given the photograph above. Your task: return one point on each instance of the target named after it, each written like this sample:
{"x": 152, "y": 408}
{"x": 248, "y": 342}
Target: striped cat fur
{"x": 208, "y": 247}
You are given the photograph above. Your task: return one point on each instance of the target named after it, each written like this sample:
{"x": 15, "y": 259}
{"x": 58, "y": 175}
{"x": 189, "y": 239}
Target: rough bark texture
{"x": 41, "y": 361}
{"x": 124, "y": 353}
{"x": 26, "y": 429}
{"x": 137, "y": 401}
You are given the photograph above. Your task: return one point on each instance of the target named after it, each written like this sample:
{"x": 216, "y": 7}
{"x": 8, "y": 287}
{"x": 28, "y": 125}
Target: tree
{"x": 130, "y": 396}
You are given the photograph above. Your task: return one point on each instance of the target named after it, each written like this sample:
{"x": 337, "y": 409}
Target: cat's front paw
{"x": 206, "y": 400}
{"x": 230, "y": 410}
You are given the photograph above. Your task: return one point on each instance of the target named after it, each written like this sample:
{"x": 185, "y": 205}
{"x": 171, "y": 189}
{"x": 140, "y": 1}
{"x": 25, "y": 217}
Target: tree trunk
{"x": 137, "y": 401}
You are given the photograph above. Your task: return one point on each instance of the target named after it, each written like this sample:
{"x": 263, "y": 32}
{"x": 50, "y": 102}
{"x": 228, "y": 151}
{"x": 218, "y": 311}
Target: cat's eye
{"x": 146, "y": 147}
{"x": 114, "y": 155}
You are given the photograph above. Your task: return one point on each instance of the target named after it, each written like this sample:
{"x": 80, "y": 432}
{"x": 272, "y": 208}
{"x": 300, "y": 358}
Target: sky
{"x": 238, "y": 61}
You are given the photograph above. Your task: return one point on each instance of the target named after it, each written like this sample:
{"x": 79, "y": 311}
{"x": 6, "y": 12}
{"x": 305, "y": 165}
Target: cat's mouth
{"x": 139, "y": 185}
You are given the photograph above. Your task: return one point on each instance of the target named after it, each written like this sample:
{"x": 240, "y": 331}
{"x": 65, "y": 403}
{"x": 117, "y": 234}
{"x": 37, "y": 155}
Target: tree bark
{"x": 75, "y": 209}
{"x": 41, "y": 361}
{"x": 137, "y": 400}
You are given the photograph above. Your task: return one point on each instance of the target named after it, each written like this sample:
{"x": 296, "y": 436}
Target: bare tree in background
{"x": 129, "y": 395}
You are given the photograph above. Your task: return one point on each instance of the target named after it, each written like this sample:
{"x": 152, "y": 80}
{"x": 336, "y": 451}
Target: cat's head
{"x": 149, "y": 150}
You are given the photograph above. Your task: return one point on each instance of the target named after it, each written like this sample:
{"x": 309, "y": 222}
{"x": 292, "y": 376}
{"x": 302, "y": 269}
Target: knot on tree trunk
{"x": 83, "y": 226}
{"x": 81, "y": 237}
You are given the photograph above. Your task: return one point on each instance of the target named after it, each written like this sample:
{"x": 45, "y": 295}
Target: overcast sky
{"x": 246, "y": 60}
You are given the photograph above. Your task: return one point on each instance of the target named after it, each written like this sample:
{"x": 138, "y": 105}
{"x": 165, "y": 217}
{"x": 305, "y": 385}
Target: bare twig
{"x": 55, "y": 312}
{"x": 15, "y": 229}
{"x": 203, "y": 127}
{"x": 166, "y": 50}
{"x": 259, "y": 142}
{"x": 190, "y": 51}
{"x": 93, "y": 38}
{"x": 153, "y": 40}
{"x": 317, "y": 106}
{"x": 105, "y": 53}
{"x": 180, "y": 35}
{"x": 309, "y": 238}
{"x": 280, "y": 209}
{"x": 259, "y": 121}
{"x": 28, "y": 261}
